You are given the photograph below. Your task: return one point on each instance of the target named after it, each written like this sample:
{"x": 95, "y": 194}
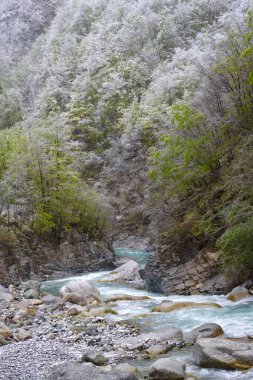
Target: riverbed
{"x": 236, "y": 319}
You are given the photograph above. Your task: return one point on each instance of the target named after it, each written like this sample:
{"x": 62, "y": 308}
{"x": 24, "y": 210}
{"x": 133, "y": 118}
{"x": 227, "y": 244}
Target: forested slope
{"x": 140, "y": 110}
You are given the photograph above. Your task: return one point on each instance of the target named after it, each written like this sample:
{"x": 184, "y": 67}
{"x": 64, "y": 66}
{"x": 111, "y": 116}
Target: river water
{"x": 236, "y": 319}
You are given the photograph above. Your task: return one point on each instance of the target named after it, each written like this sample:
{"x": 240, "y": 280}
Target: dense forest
{"x": 130, "y": 116}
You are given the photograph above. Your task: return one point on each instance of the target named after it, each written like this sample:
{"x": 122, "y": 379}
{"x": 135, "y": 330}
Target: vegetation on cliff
{"x": 96, "y": 98}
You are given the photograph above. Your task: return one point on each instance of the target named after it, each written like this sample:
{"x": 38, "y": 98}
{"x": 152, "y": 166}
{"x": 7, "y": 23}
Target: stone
{"x": 207, "y": 330}
{"x": 5, "y": 331}
{"x": 2, "y": 340}
{"x": 128, "y": 272}
{"x": 238, "y": 293}
{"x": 101, "y": 312}
{"x": 86, "y": 371}
{"x": 3, "y": 289}
{"x": 166, "y": 306}
{"x": 158, "y": 349}
{"x": 31, "y": 289}
{"x": 223, "y": 353}
{"x": 125, "y": 368}
{"x": 76, "y": 309}
{"x": 125, "y": 297}
{"x": 167, "y": 369}
{"x": 84, "y": 288}
{"x": 6, "y": 297}
{"x": 49, "y": 299}
{"x": 94, "y": 357}
{"x": 21, "y": 335}
{"x": 146, "y": 340}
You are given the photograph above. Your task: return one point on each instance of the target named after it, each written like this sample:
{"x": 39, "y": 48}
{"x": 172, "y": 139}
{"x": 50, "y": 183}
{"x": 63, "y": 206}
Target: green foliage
{"x": 236, "y": 250}
{"x": 188, "y": 153}
{"x": 11, "y": 141}
{"x": 247, "y": 54}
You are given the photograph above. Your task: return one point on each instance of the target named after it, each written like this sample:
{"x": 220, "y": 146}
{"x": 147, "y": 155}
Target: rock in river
{"x": 238, "y": 293}
{"x": 167, "y": 369}
{"x": 223, "y": 353}
{"x": 207, "y": 330}
{"x": 87, "y": 292}
{"x": 167, "y": 306}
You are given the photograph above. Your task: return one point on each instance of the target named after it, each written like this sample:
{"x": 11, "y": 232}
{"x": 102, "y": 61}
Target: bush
{"x": 236, "y": 250}
{"x": 7, "y": 237}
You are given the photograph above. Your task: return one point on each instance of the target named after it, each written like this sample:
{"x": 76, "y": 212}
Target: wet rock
{"x": 125, "y": 297}
{"x": 167, "y": 369}
{"x": 238, "y": 293}
{"x": 166, "y": 306}
{"x": 207, "y": 330}
{"x": 158, "y": 349}
{"x": 87, "y": 291}
{"x": 171, "y": 336}
{"x": 223, "y": 353}
{"x": 94, "y": 357}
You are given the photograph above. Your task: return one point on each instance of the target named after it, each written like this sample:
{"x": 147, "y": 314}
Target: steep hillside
{"x": 134, "y": 114}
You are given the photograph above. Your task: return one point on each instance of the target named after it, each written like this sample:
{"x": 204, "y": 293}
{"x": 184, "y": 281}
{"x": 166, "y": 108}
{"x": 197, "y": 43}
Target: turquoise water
{"x": 141, "y": 257}
{"x": 236, "y": 319}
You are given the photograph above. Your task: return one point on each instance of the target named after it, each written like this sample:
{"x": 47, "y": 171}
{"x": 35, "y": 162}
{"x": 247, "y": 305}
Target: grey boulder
{"x": 223, "y": 353}
{"x": 167, "y": 369}
{"x": 207, "y": 330}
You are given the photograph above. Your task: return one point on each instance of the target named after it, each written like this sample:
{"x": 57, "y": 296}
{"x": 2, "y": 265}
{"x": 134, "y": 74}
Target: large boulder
{"x": 82, "y": 288}
{"x": 207, "y": 330}
{"x": 167, "y": 369}
{"x": 223, "y": 353}
{"x": 238, "y": 293}
{"x": 167, "y": 306}
{"x": 86, "y": 371}
{"x": 171, "y": 337}
{"x": 126, "y": 273}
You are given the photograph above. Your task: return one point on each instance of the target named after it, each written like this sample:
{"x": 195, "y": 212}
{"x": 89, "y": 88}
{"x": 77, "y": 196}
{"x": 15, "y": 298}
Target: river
{"x": 236, "y": 319}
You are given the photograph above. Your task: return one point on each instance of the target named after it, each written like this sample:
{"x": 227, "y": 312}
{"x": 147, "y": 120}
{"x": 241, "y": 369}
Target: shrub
{"x": 236, "y": 250}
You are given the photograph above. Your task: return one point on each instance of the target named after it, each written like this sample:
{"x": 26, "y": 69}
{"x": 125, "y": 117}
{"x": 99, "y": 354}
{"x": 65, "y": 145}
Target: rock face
{"x": 238, "y": 293}
{"x": 77, "y": 371}
{"x": 167, "y": 369}
{"x": 184, "y": 271}
{"x": 30, "y": 258}
{"x": 223, "y": 353}
{"x": 166, "y": 306}
{"x": 207, "y": 330}
{"x": 81, "y": 292}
